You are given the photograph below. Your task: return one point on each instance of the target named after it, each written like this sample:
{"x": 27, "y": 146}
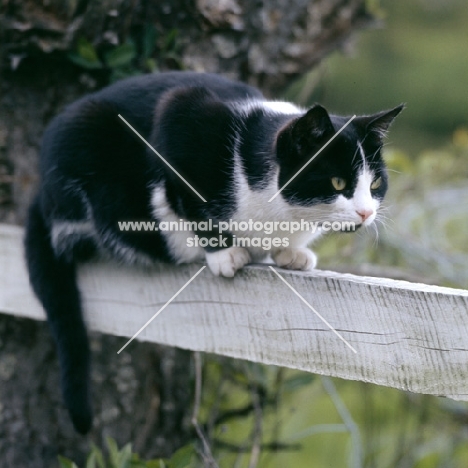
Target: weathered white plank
{"x": 409, "y": 336}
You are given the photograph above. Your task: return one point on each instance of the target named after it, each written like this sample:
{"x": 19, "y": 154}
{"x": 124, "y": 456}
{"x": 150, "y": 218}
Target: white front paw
{"x": 226, "y": 262}
{"x": 295, "y": 258}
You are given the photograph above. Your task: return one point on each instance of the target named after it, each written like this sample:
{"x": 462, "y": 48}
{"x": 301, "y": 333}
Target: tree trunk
{"x": 144, "y": 397}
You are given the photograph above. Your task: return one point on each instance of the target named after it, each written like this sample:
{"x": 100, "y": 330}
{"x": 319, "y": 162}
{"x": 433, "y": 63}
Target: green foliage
{"x": 64, "y": 463}
{"x": 182, "y": 458}
{"x": 293, "y": 417}
{"x": 121, "y": 55}
{"x": 141, "y": 53}
{"x": 125, "y": 458}
{"x": 85, "y": 55}
{"x": 374, "y": 8}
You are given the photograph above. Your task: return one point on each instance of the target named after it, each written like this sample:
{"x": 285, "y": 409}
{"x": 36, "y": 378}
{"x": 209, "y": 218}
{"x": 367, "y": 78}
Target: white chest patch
{"x": 177, "y": 243}
{"x": 253, "y": 205}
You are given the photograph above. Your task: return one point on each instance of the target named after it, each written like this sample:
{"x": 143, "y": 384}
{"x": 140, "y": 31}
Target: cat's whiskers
{"x": 376, "y": 230}
{"x": 384, "y": 223}
{"x": 354, "y": 156}
{"x": 384, "y": 216}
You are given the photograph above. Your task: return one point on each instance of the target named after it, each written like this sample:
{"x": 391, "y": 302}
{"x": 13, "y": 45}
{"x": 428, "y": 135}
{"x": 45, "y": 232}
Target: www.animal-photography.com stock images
{"x": 233, "y": 234}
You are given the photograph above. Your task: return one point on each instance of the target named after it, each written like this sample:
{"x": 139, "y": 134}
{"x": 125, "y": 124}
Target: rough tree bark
{"x": 146, "y": 397}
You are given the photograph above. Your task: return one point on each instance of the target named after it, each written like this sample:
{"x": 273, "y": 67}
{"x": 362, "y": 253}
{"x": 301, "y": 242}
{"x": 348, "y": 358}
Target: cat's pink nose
{"x": 364, "y": 214}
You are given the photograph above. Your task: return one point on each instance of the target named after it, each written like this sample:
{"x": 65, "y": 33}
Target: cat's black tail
{"x": 54, "y": 282}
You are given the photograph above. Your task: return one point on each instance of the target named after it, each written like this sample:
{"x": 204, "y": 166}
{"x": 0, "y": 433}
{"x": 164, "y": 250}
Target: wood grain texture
{"x": 407, "y": 335}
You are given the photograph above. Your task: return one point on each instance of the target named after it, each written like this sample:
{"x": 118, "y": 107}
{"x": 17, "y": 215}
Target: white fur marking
{"x": 281, "y": 107}
{"x": 66, "y": 233}
{"x": 363, "y": 155}
{"x": 252, "y": 204}
{"x": 277, "y": 107}
{"x": 362, "y": 201}
{"x": 176, "y": 240}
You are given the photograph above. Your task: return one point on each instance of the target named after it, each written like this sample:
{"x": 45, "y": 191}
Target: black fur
{"x": 96, "y": 172}
{"x": 296, "y": 146}
{"x": 53, "y": 280}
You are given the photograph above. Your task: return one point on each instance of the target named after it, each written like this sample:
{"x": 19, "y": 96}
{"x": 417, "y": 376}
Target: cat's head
{"x": 346, "y": 178}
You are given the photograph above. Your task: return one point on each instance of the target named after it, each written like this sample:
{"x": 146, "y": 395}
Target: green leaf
{"x": 91, "y": 461}
{"x": 80, "y": 61}
{"x": 170, "y": 40}
{"x": 182, "y": 458}
{"x": 86, "y": 50}
{"x": 125, "y": 456}
{"x": 159, "y": 463}
{"x": 113, "y": 452}
{"x": 120, "y": 56}
{"x": 95, "y": 458}
{"x": 119, "y": 458}
{"x": 65, "y": 463}
{"x": 137, "y": 462}
{"x": 85, "y": 55}
{"x": 151, "y": 64}
{"x": 149, "y": 41}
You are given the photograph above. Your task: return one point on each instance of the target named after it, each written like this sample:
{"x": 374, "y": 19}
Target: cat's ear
{"x": 315, "y": 124}
{"x": 380, "y": 123}
{"x": 311, "y": 129}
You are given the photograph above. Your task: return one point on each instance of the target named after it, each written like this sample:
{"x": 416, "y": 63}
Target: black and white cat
{"x": 232, "y": 145}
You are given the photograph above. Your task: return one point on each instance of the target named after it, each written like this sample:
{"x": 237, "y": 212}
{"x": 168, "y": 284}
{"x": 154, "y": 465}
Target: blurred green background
{"x": 419, "y": 56}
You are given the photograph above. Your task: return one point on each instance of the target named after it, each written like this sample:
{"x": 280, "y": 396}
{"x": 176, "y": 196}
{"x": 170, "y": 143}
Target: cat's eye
{"x": 376, "y": 183}
{"x": 338, "y": 183}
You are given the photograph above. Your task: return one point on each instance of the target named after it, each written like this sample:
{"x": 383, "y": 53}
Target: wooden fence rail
{"x": 408, "y": 336}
